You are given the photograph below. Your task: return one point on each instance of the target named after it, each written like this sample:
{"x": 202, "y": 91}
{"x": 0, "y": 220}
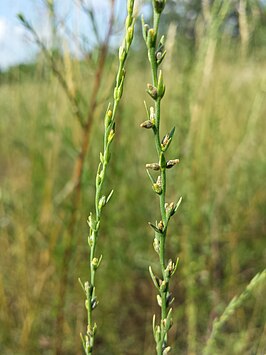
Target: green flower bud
{"x": 111, "y": 136}
{"x": 151, "y": 38}
{"x": 102, "y": 202}
{"x": 161, "y": 86}
{"x": 122, "y": 54}
{"x": 159, "y": 5}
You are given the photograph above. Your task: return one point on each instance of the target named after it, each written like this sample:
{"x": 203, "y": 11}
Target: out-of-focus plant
{"x": 94, "y": 220}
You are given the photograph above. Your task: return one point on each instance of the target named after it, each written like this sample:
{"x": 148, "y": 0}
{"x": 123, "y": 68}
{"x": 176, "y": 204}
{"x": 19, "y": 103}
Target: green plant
{"x": 101, "y": 200}
{"x": 233, "y": 305}
{"x": 73, "y": 188}
{"x": 156, "y": 90}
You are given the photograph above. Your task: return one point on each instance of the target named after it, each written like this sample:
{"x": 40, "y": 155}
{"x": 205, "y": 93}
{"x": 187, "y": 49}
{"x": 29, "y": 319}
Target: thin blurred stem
{"x": 94, "y": 220}
{"x": 77, "y": 178}
{"x": 234, "y": 304}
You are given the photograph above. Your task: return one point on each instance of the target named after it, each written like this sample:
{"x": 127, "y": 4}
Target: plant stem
{"x": 101, "y": 200}
{"x": 156, "y": 54}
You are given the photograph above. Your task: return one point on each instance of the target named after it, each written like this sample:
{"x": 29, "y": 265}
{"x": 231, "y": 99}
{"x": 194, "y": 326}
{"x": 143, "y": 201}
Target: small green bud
{"x": 151, "y": 38}
{"x": 90, "y": 241}
{"x": 145, "y": 29}
{"x": 129, "y": 35}
{"x": 159, "y": 300}
{"x": 130, "y": 6}
{"x": 122, "y": 54}
{"x": 159, "y": 5}
{"x": 86, "y": 286}
{"x": 160, "y": 57}
{"x": 117, "y": 94}
{"x": 94, "y": 263}
{"x": 161, "y": 86}
{"x": 102, "y": 202}
{"x": 94, "y": 328}
{"x": 152, "y": 91}
{"x": 91, "y": 222}
{"x": 108, "y": 116}
{"x": 170, "y": 209}
{"x": 157, "y": 334}
{"x": 157, "y": 187}
{"x": 89, "y": 330}
{"x": 163, "y": 286}
{"x": 98, "y": 179}
{"x": 129, "y": 20}
{"x": 170, "y": 268}
{"x": 167, "y": 139}
{"x": 163, "y": 163}
{"x": 111, "y": 136}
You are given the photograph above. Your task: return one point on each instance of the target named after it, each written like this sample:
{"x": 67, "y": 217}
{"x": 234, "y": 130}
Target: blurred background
{"x": 58, "y": 63}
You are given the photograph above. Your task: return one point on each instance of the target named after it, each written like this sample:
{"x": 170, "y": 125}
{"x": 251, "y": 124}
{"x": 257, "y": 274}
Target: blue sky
{"x": 15, "y": 44}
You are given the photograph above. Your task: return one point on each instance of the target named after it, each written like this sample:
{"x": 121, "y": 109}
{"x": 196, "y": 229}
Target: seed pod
{"x": 153, "y": 166}
{"x": 156, "y": 229}
{"x": 160, "y": 57}
{"x": 160, "y": 226}
{"x": 167, "y": 139}
{"x": 171, "y": 163}
{"x": 156, "y": 245}
{"x": 147, "y": 124}
{"x": 152, "y": 91}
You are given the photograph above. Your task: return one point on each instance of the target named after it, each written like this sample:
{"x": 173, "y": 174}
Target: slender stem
{"x": 156, "y": 91}
{"x": 101, "y": 200}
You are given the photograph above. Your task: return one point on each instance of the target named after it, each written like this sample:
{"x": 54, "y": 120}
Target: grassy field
{"x": 216, "y": 101}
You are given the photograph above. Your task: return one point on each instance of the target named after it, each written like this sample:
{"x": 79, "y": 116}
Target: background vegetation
{"x": 215, "y": 75}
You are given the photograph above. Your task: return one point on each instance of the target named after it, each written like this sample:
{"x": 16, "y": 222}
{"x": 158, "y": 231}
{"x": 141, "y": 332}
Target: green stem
{"x": 157, "y": 92}
{"x": 100, "y": 200}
